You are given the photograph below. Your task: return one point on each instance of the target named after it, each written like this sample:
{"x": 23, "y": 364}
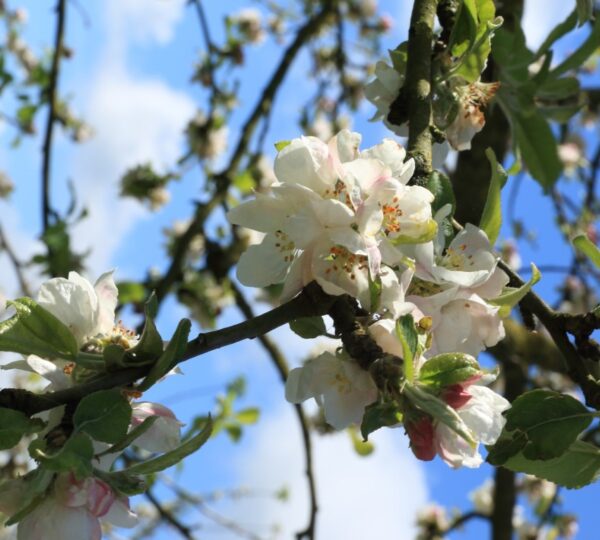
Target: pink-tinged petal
{"x": 421, "y": 435}
{"x": 99, "y": 497}
{"x": 454, "y": 450}
{"x": 144, "y": 409}
{"x": 164, "y": 434}
{"x": 53, "y": 521}
{"x": 455, "y": 395}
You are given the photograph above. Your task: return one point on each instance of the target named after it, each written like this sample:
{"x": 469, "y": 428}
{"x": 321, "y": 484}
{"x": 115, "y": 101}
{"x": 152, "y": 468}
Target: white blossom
{"x": 164, "y": 434}
{"x": 337, "y": 383}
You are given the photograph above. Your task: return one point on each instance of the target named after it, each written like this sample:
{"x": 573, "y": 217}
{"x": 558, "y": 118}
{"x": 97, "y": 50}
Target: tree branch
{"x": 50, "y": 92}
{"x": 417, "y": 91}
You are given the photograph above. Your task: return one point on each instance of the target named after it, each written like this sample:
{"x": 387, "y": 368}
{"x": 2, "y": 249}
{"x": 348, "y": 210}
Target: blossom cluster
{"x": 73, "y": 505}
{"x": 350, "y": 220}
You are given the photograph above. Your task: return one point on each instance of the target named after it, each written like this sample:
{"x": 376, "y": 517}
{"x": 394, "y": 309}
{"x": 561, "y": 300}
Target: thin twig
{"x": 50, "y": 93}
{"x": 16, "y": 263}
{"x": 168, "y": 516}
{"x": 283, "y": 370}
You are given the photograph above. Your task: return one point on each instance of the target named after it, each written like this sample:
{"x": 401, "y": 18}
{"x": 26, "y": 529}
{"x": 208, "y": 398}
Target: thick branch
{"x": 417, "y": 89}
{"x": 50, "y": 94}
{"x": 311, "y": 301}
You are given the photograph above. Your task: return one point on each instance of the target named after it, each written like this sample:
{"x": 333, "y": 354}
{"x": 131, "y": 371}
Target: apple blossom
{"x": 337, "y": 383}
{"x": 87, "y": 310}
{"x": 73, "y": 509}
{"x": 164, "y": 434}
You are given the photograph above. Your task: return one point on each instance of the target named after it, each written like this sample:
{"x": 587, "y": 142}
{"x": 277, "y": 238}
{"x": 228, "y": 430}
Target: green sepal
{"x": 122, "y": 482}
{"x": 169, "y": 358}
{"x": 429, "y": 233}
{"x": 280, "y": 145}
{"x": 588, "y": 248}
{"x": 150, "y": 346}
{"x": 34, "y": 330}
{"x": 173, "y": 457}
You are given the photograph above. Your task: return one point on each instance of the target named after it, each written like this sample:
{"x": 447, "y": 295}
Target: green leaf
{"x": 441, "y": 187}
{"x": 588, "y": 248}
{"x": 150, "y": 346}
{"x": 33, "y": 330}
{"x": 131, "y": 292}
{"x": 585, "y": 11}
{"x": 362, "y": 448}
{"x": 409, "y": 338}
{"x": 14, "y": 425}
{"x": 279, "y": 146}
{"x": 491, "y": 218}
{"x": 577, "y": 58}
{"x": 536, "y": 143}
{"x": 169, "y": 358}
{"x": 449, "y": 368}
{"x": 550, "y": 421}
{"x": 575, "y": 468}
{"x": 104, "y": 415}
{"x": 511, "y": 296}
{"x": 75, "y": 455}
{"x": 37, "y": 482}
{"x": 173, "y": 457}
{"x": 130, "y": 438}
{"x": 379, "y": 415}
{"x": 558, "y": 31}
{"x": 248, "y": 416}
{"x": 308, "y": 327}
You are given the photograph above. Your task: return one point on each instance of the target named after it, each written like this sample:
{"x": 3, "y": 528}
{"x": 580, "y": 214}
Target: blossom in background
{"x": 164, "y": 434}
{"x": 469, "y": 120}
{"x": 249, "y": 24}
{"x": 337, "y": 383}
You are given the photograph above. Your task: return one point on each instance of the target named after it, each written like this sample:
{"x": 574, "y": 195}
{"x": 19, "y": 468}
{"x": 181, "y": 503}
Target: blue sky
{"x": 130, "y": 78}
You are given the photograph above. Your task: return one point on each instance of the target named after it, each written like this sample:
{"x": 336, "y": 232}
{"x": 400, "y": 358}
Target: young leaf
{"x": 511, "y": 296}
{"x": 248, "y": 416}
{"x": 173, "y": 457}
{"x": 280, "y": 145}
{"x": 588, "y": 248}
{"x": 409, "y": 338}
{"x": 104, "y": 415}
{"x": 491, "y": 218}
{"x": 14, "y": 425}
{"x": 33, "y": 330}
{"x": 449, "y": 368}
{"x": 559, "y": 31}
{"x": 308, "y": 327}
{"x": 169, "y": 358}
{"x": 362, "y": 448}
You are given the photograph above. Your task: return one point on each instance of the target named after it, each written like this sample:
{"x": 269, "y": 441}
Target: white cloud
{"x": 359, "y": 497}
{"x": 145, "y": 21}
{"x": 135, "y": 120}
{"x": 541, "y": 16}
